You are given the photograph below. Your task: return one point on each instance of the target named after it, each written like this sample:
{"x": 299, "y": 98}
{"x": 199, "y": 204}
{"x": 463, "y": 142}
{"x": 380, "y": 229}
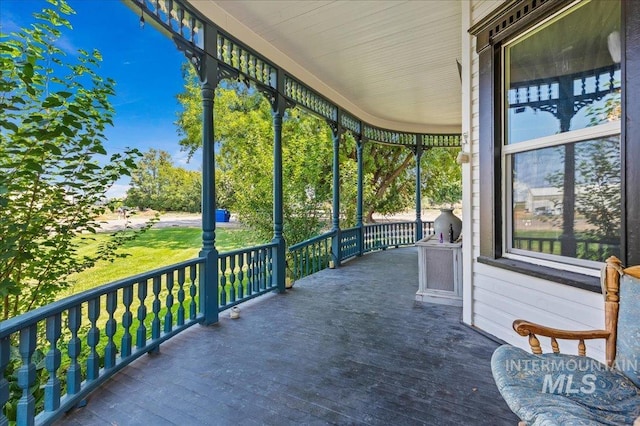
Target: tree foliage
{"x": 598, "y": 165}
{"x": 159, "y": 185}
{"x": 598, "y": 169}
{"x": 244, "y": 129}
{"x": 441, "y": 176}
{"x": 53, "y": 165}
{"x": 244, "y": 159}
{"x": 389, "y": 183}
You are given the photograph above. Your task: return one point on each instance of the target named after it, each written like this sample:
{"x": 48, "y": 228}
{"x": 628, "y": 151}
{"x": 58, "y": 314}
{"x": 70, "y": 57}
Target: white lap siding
{"x": 494, "y": 296}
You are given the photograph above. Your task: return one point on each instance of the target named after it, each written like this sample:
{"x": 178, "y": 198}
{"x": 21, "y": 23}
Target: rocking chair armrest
{"x": 526, "y": 328}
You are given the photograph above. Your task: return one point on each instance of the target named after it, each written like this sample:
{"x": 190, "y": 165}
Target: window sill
{"x": 572, "y": 279}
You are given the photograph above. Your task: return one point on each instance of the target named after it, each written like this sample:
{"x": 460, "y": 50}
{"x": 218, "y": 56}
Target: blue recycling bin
{"x": 222, "y": 215}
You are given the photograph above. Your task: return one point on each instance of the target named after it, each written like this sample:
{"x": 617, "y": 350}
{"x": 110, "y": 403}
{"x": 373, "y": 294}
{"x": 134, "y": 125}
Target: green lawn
{"x": 154, "y": 249}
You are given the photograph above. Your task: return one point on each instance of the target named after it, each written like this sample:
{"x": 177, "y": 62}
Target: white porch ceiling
{"x": 391, "y": 63}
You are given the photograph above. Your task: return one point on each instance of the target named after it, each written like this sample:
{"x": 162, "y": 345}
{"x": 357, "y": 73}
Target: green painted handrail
{"x": 124, "y": 322}
{"x": 311, "y": 241}
{"x": 349, "y": 242}
{"x": 15, "y": 324}
{"x": 245, "y": 274}
{"x": 311, "y": 256}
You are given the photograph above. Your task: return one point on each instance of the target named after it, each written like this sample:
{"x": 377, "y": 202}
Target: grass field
{"x": 154, "y": 249}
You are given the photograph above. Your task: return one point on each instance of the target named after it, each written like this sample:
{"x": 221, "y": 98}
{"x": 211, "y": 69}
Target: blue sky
{"x": 144, "y": 63}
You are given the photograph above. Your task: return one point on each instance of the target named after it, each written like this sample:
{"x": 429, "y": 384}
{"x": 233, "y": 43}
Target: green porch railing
{"x": 350, "y": 243}
{"x": 310, "y": 256}
{"x": 125, "y": 320}
{"x": 313, "y": 255}
{"x": 245, "y": 274}
{"x": 77, "y": 343}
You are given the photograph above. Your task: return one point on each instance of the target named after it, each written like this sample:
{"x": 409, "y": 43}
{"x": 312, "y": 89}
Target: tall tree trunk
{"x": 392, "y": 176}
{"x": 370, "y": 218}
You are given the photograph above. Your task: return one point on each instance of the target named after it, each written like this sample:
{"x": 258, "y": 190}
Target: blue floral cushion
{"x": 628, "y": 339}
{"x": 558, "y": 389}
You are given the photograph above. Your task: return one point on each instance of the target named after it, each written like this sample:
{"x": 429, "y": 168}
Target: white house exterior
{"x": 495, "y": 296}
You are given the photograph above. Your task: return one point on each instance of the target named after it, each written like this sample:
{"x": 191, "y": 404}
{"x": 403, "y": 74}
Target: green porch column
{"x": 278, "y": 107}
{"x": 209, "y": 271}
{"x": 418, "y": 156}
{"x": 360, "y": 195}
{"x": 336, "y": 131}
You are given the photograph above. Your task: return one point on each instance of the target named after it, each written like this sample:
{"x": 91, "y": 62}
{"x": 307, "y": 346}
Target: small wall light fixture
{"x": 463, "y": 156}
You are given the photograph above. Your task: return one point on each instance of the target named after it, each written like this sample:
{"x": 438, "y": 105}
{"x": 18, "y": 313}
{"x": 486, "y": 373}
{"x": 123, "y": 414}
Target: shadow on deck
{"x": 344, "y": 346}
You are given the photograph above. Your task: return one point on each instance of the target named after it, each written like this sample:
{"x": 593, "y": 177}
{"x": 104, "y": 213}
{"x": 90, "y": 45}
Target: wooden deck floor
{"x": 345, "y": 346}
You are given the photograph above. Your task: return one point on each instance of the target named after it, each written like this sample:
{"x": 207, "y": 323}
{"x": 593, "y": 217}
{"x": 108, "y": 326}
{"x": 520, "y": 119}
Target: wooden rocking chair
{"x": 554, "y": 388}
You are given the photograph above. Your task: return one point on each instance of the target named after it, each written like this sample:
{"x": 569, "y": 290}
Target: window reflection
{"x": 562, "y": 78}
{"x": 566, "y": 199}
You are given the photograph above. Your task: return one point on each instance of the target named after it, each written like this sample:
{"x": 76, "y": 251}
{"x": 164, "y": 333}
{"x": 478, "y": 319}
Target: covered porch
{"x": 344, "y": 346}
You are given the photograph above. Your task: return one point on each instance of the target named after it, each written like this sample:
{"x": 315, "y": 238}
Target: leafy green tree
{"x": 53, "y": 165}
{"x": 184, "y": 191}
{"x": 189, "y": 121}
{"x": 348, "y": 182}
{"x": 149, "y": 179}
{"x": 390, "y": 187}
{"x": 598, "y": 166}
{"x": 598, "y": 170}
{"x": 245, "y": 160}
{"x": 224, "y": 190}
{"x": 157, "y": 184}
{"x": 441, "y": 176}
{"x": 307, "y": 175}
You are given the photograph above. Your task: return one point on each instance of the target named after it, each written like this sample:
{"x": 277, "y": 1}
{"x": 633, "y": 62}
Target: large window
{"x": 561, "y": 168}
{"x": 559, "y": 137}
